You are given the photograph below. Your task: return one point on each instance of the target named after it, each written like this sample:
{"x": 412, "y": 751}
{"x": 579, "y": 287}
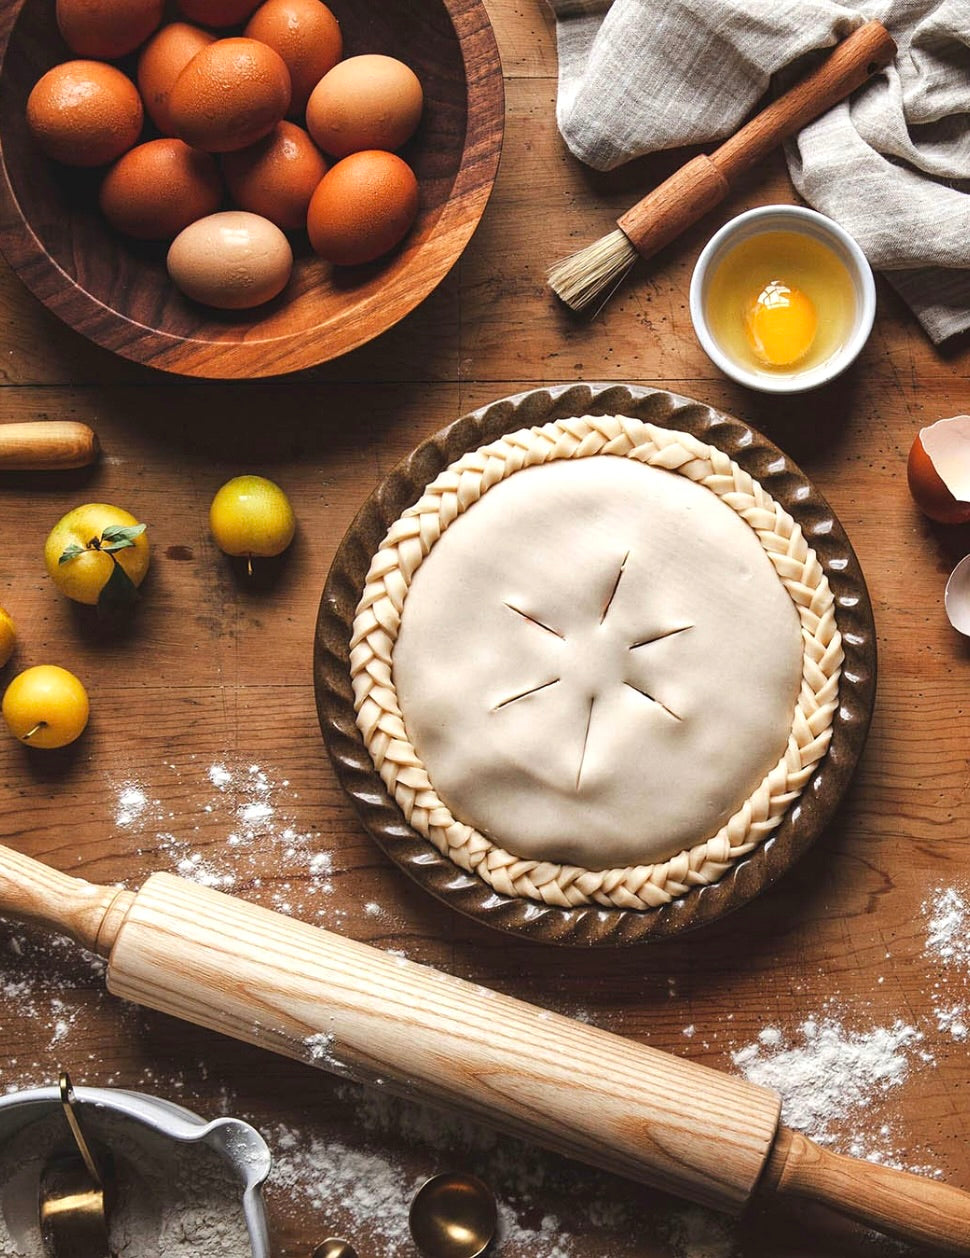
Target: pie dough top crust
{"x": 753, "y": 676}
{"x": 597, "y": 663}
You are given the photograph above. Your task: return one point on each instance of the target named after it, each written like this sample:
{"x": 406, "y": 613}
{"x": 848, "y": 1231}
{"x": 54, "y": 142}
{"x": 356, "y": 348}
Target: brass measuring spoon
{"x": 334, "y": 1247}
{"x": 72, "y": 1194}
{"x": 453, "y": 1216}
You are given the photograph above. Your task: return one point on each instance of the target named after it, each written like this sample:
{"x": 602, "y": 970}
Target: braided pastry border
{"x": 378, "y": 617}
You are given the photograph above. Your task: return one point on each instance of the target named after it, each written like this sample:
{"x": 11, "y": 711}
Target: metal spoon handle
{"x": 69, "y": 1104}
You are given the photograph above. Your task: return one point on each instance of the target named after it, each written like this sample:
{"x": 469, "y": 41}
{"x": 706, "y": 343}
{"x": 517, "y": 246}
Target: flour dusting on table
{"x": 828, "y": 1077}
{"x": 947, "y": 915}
{"x": 47, "y": 980}
{"x": 363, "y": 1188}
{"x": 252, "y": 808}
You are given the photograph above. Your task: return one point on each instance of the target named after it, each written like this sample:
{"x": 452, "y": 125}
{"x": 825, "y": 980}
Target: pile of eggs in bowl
{"x": 223, "y": 108}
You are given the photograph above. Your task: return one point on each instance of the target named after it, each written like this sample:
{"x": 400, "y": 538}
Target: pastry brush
{"x": 591, "y": 275}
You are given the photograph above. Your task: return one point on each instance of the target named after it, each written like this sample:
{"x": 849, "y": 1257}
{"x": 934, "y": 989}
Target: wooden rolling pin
{"x": 46, "y": 445}
{"x": 346, "y": 1007}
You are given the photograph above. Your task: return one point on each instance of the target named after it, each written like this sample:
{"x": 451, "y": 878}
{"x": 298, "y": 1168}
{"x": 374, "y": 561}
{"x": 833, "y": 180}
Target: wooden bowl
{"x": 116, "y": 291}
{"x": 591, "y": 926}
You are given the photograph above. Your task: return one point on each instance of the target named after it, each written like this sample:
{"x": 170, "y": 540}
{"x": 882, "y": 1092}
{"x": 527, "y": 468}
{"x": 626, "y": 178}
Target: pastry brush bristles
{"x": 593, "y": 272}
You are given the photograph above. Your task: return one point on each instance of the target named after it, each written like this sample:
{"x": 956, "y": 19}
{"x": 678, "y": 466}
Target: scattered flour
{"x": 948, "y": 929}
{"x": 132, "y": 802}
{"x": 947, "y": 916}
{"x": 253, "y": 810}
{"x": 547, "y": 1204}
{"x": 319, "y": 1046}
{"x": 360, "y": 1179}
{"x": 48, "y": 982}
{"x": 829, "y": 1077}
{"x": 953, "y": 1021}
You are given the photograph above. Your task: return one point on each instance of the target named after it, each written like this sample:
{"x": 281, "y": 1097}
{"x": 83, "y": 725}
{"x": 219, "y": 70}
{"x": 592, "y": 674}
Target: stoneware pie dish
{"x": 595, "y": 663}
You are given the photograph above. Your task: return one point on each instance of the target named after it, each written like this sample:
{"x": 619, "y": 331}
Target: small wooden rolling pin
{"x": 281, "y": 984}
{"x": 46, "y": 446}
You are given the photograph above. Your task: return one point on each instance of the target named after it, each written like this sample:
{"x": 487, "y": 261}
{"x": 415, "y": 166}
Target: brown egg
{"x": 158, "y": 188}
{"x": 107, "y": 28}
{"x": 162, "y": 60}
{"x": 367, "y": 102}
{"x": 218, "y": 12}
{"x": 306, "y": 35}
{"x": 231, "y": 94}
{"x": 277, "y": 176}
{"x": 232, "y": 260}
{"x": 362, "y": 208}
{"x": 84, "y": 113}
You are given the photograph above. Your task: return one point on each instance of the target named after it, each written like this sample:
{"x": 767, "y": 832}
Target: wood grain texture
{"x": 908, "y": 1207}
{"x": 218, "y": 962}
{"x": 332, "y": 1002}
{"x": 215, "y": 671}
{"x": 117, "y": 292}
{"x": 34, "y": 893}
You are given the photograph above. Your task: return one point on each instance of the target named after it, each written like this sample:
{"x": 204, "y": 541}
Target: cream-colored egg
{"x": 365, "y": 102}
{"x": 231, "y": 260}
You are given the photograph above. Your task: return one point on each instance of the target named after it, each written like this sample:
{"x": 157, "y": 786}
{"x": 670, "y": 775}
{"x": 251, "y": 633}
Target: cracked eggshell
{"x": 938, "y": 470}
{"x": 957, "y": 597}
{"x": 231, "y": 260}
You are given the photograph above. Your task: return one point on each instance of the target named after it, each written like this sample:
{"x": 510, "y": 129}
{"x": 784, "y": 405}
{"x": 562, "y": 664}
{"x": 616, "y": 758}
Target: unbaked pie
{"x": 595, "y": 663}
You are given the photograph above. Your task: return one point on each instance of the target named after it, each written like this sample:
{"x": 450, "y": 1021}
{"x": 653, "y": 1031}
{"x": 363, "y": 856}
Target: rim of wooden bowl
{"x": 591, "y": 926}
{"x": 305, "y": 347}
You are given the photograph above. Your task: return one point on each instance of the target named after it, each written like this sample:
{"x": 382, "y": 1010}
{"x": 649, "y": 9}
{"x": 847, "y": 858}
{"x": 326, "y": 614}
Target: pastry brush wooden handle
{"x": 868, "y": 49}
{"x": 698, "y": 186}
{"x": 909, "y": 1207}
{"x": 44, "y": 445}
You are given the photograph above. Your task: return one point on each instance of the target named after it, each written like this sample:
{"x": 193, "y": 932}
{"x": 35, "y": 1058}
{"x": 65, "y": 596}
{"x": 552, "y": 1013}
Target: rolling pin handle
{"x": 47, "y": 445}
{"x": 35, "y": 893}
{"x": 898, "y": 1203}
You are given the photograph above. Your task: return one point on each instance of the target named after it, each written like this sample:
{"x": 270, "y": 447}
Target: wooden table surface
{"x": 203, "y": 750}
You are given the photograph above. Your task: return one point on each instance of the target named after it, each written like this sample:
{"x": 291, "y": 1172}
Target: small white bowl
{"x": 793, "y": 218}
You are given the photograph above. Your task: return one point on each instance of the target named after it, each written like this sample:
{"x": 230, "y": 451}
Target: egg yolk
{"x": 780, "y": 324}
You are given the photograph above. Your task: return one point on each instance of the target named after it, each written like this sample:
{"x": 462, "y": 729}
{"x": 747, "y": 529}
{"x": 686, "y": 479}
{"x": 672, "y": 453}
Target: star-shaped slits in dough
{"x": 608, "y": 644}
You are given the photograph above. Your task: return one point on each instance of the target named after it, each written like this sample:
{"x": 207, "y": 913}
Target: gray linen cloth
{"x": 892, "y": 165}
